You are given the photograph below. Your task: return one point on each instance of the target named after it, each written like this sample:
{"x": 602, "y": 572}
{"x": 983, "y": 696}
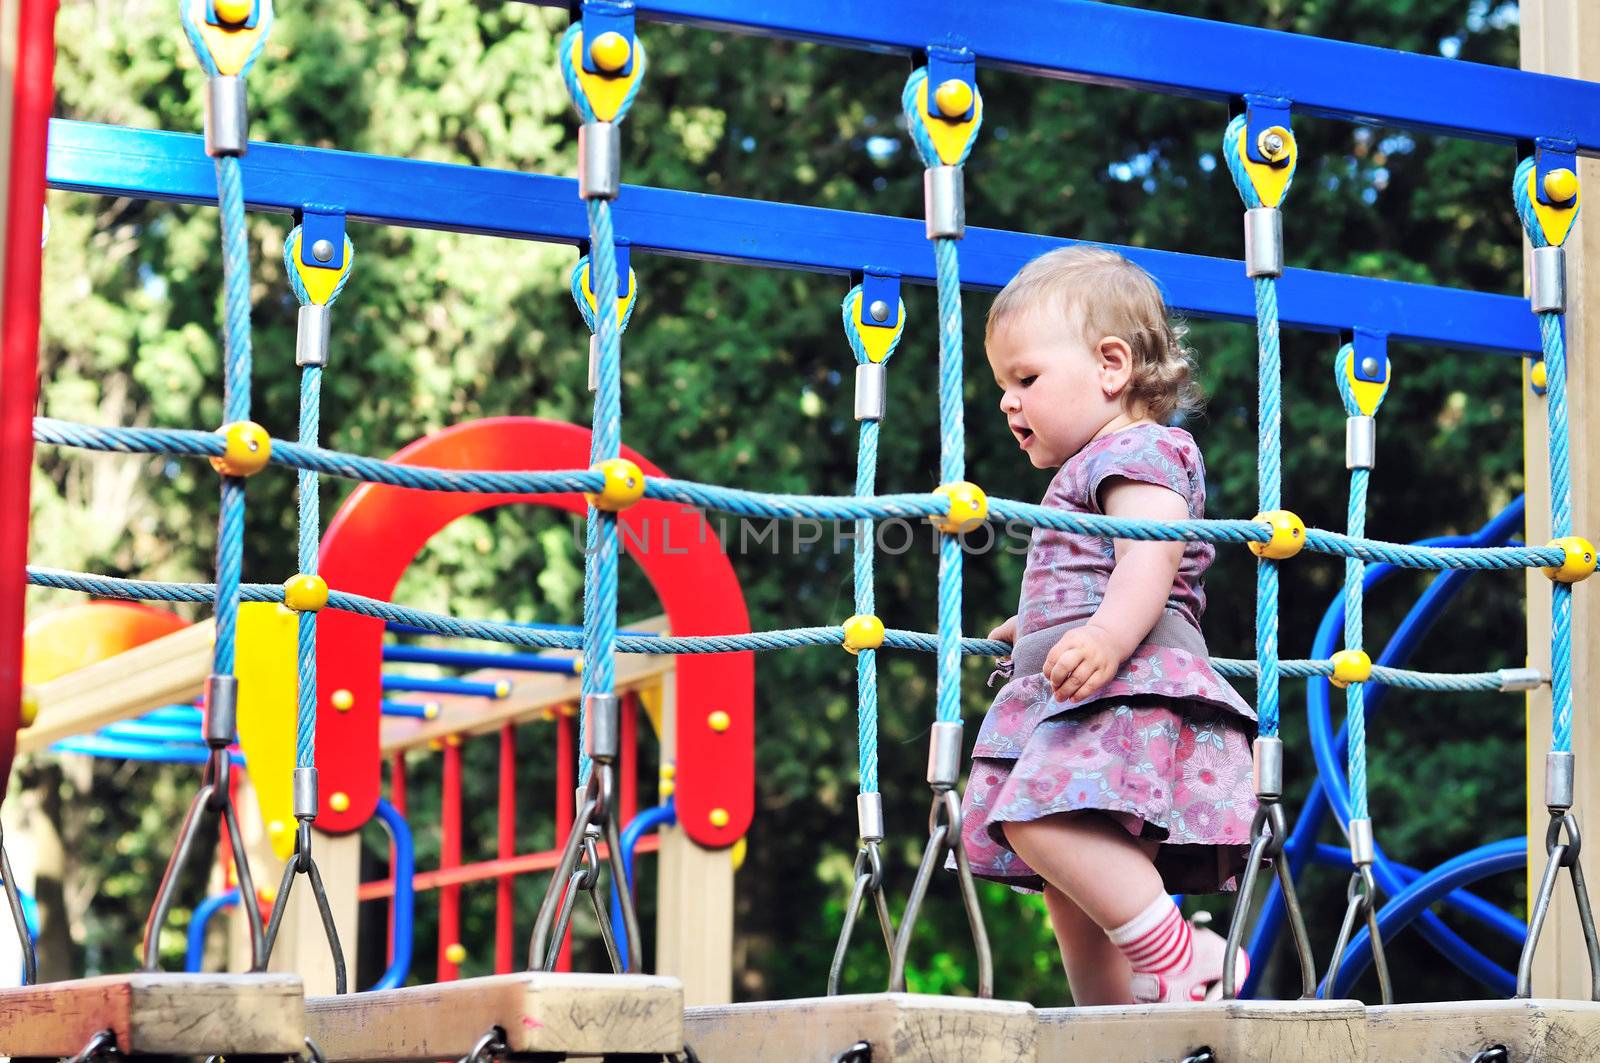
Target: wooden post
{"x": 1563, "y": 37}
{"x": 694, "y": 907}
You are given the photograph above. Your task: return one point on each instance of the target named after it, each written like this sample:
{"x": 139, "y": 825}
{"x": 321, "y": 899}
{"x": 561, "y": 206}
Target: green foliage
{"x": 739, "y": 376}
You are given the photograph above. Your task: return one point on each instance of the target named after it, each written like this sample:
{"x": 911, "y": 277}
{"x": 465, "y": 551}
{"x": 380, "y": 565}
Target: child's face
{"x": 1056, "y": 391}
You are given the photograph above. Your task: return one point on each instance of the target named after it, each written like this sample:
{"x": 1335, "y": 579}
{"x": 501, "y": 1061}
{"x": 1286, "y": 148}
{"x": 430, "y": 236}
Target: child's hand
{"x": 1006, "y": 632}
{"x": 1081, "y": 662}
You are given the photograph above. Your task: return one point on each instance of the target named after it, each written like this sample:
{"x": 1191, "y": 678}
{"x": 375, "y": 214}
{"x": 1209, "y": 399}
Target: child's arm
{"x": 1087, "y": 658}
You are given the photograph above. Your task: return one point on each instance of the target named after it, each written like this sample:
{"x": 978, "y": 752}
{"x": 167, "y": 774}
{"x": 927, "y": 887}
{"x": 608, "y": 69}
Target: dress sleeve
{"x": 1166, "y": 457}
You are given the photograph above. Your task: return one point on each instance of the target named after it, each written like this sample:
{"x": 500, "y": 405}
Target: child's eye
{"x": 1027, "y": 380}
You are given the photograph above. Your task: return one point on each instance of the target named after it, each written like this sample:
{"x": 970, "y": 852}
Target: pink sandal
{"x": 1200, "y": 980}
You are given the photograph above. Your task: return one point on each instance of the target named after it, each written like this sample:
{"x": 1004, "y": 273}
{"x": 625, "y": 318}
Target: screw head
{"x": 1274, "y": 143}
{"x": 1369, "y": 366}
{"x": 322, "y": 251}
{"x": 879, "y": 310}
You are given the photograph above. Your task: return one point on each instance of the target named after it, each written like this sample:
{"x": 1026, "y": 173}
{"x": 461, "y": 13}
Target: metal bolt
{"x": 1369, "y": 366}
{"x": 1272, "y": 143}
{"x": 322, "y": 251}
{"x": 879, "y": 310}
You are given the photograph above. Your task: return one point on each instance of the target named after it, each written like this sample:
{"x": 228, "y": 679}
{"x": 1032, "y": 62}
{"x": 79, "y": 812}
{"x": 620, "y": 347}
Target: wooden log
{"x": 157, "y": 1014}
{"x": 900, "y": 1027}
{"x": 1532, "y": 1031}
{"x": 1239, "y": 1031}
{"x": 577, "y": 1014}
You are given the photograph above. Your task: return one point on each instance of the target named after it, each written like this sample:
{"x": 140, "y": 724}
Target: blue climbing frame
{"x": 1076, "y": 40}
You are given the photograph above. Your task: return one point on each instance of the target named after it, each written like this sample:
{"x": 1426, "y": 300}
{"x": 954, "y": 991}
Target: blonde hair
{"x": 1115, "y": 298}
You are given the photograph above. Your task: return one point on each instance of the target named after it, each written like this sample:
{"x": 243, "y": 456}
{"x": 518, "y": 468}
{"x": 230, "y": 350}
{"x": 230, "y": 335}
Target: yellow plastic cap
{"x": 455, "y": 953}
{"x": 1274, "y": 143}
{"x": 610, "y": 51}
{"x": 1538, "y": 375}
{"x": 1350, "y": 666}
{"x": 277, "y": 827}
{"x": 953, "y": 98}
{"x": 967, "y": 505}
{"x": 719, "y": 817}
{"x": 30, "y": 707}
{"x": 233, "y": 12}
{"x": 1288, "y": 535}
{"x": 246, "y": 449}
{"x": 305, "y": 593}
{"x": 719, "y": 721}
{"x": 343, "y": 700}
{"x": 862, "y": 633}
{"x": 740, "y": 850}
{"x": 339, "y": 801}
{"x": 624, "y": 485}
{"x": 1579, "y": 562}
{"x": 1561, "y": 185}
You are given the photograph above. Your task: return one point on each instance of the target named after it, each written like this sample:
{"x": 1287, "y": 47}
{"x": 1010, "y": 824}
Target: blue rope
{"x": 235, "y": 403}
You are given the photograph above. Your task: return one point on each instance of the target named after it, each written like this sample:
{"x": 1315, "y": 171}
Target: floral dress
{"x": 1164, "y": 747}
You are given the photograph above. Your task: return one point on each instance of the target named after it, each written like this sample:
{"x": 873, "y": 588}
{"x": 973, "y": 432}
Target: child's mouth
{"x": 1024, "y": 437}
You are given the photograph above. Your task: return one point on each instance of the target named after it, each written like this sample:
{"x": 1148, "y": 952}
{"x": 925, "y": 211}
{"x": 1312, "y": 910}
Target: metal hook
{"x": 868, "y": 879}
{"x": 1492, "y": 1054}
{"x": 102, "y": 1045}
{"x": 30, "y": 958}
{"x": 491, "y": 1046}
{"x": 944, "y": 837}
{"x": 313, "y": 1053}
{"x": 1360, "y": 903}
{"x": 302, "y": 862}
{"x": 1559, "y": 854}
{"x": 579, "y": 870}
{"x": 1269, "y": 831}
{"x": 1203, "y": 1054}
{"x": 860, "y": 1052}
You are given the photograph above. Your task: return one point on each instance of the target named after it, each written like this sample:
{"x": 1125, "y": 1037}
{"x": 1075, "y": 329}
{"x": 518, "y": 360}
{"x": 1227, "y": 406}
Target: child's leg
{"x": 1108, "y": 873}
{"x": 1096, "y": 969}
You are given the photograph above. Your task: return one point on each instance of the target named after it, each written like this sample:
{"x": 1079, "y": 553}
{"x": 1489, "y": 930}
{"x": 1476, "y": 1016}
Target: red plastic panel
{"x": 381, "y": 529}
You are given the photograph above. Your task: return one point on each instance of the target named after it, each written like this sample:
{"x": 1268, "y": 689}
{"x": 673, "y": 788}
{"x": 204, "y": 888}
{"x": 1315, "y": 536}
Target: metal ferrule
{"x": 1520, "y": 679}
{"x": 1559, "y": 772}
{"x": 312, "y": 334}
{"x": 227, "y": 119}
{"x": 1263, "y": 242}
{"x": 1548, "y": 287}
{"x": 1360, "y": 442}
{"x": 944, "y": 755}
{"x": 871, "y": 378}
{"x": 603, "y": 736}
{"x": 1363, "y": 850}
{"x": 599, "y": 160}
{"x": 869, "y": 816}
{"x": 594, "y": 363}
{"x": 1268, "y": 768}
{"x": 944, "y": 196}
{"x": 305, "y": 793}
{"x": 222, "y": 709}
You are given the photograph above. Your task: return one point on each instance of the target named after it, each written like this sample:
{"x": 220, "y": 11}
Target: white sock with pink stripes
{"x": 1157, "y": 940}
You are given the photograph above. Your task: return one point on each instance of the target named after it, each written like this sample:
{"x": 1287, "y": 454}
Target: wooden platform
{"x": 1240, "y": 1031}
{"x": 157, "y": 1014}
{"x": 581, "y": 1014}
{"x": 1533, "y": 1031}
{"x": 901, "y": 1027}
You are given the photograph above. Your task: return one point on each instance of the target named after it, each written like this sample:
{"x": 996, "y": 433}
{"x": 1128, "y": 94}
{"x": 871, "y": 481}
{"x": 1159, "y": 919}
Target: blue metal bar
{"x": 650, "y": 819}
{"x": 198, "y": 924}
{"x": 408, "y": 710}
{"x": 404, "y": 901}
{"x": 144, "y": 731}
{"x": 464, "y": 687}
{"x": 396, "y": 628}
{"x": 1105, "y": 44}
{"x": 123, "y": 749}
{"x": 1493, "y": 859}
{"x": 113, "y": 160}
{"x": 180, "y": 714}
{"x": 521, "y": 662}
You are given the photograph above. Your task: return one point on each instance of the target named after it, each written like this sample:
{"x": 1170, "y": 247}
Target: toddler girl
{"x": 1114, "y": 765}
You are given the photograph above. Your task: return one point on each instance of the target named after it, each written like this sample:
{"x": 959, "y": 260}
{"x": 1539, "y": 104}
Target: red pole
{"x": 450, "y": 856}
{"x": 566, "y": 796}
{"x": 507, "y": 848}
{"x": 628, "y": 764}
{"x": 397, "y": 798}
{"x": 33, "y": 92}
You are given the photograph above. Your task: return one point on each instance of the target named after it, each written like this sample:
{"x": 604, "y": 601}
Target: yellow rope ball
{"x": 1288, "y": 535}
{"x": 246, "y": 449}
{"x": 1350, "y": 666}
{"x": 234, "y": 12}
{"x": 953, "y": 98}
{"x": 1561, "y": 185}
{"x": 1578, "y": 564}
{"x": 455, "y": 952}
{"x": 624, "y": 485}
{"x": 610, "y": 51}
{"x": 305, "y": 593}
{"x": 968, "y": 507}
{"x": 862, "y": 633}
{"x": 30, "y": 707}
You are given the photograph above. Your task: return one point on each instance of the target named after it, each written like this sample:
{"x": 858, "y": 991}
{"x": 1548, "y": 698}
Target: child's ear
{"x": 1116, "y": 365}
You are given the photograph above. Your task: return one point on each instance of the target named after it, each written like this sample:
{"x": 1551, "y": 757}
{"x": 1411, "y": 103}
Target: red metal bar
{"x": 33, "y": 92}
{"x": 506, "y": 849}
{"x": 483, "y": 870}
{"x": 397, "y": 798}
{"x": 628, "y": 761}
{"x": 450, "y": 857}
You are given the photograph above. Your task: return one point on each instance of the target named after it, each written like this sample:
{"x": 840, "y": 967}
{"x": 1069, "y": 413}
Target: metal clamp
{"x": 1267, "y": 768}
{"x": 1559, "y": 854}
{"x": 869, "y": 816}
{"x": 599, "y": 160}
{"x": 1559, "y": 772}
{"x": 944, "y": 839}
{"x": 491, "y": 1046}
{"x": 1360, "y": 442}
{"x": 603, "y": 723}
{"x": 313, "y": 334}
{"x": 1548, "y": 281}
{"x": 1268, "y": 833}
{"x": 944, "y": 199}
{"x": 944, "y": 755}
{"x": 227, "y": 117}
{"x": 871, "y": 380}
{"x": 1263, "y": 242}
{"x": 1520, "y": 679}
{"x": 103, "y": 1045}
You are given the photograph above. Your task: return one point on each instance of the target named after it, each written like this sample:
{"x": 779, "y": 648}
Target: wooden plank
{"x": 170, "y": 670}
{"x": 157, "y": 1014}
{"x": 1532, "y": 1031}
{"x": 1239, "y": 1031}
{"x": 900, "y": 1027}
{"x": 580, "y": 1014}
{"x": 1563, "y": 37}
